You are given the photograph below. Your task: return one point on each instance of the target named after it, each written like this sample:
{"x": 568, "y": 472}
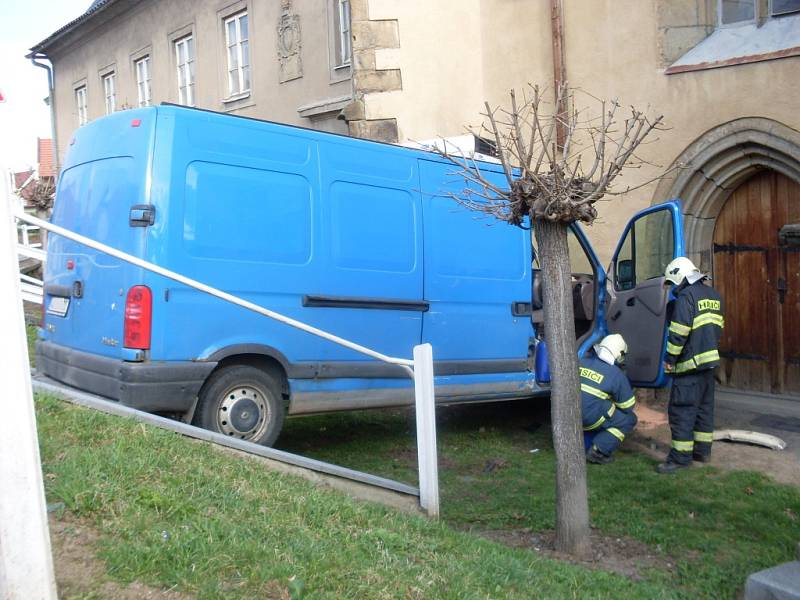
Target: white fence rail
{"x": 31, "y": 289}
{"x": 420, "y": 368}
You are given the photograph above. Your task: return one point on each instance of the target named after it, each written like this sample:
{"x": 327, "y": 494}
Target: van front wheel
{"x": 243, "y": 402}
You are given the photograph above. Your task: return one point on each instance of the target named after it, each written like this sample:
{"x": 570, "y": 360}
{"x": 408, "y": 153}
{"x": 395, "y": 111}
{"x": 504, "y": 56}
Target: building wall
{"x": 424, "y": 69}
{"x": 127, "y": 30}
{"x": 465, "y": 52}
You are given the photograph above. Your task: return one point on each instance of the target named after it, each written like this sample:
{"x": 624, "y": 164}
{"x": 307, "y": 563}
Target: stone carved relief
{"x": 289, "y": 43}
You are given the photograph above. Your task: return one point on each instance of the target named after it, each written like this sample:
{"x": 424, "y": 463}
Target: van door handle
{"x": 142, "y": 215}
{"x": 630, "y": 302}
{"x": 521, "y": 309}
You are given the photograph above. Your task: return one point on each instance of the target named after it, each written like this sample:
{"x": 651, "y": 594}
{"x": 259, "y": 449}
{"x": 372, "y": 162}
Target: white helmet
{"x": 681, "y": 268}
{"x": 613, "y": 346}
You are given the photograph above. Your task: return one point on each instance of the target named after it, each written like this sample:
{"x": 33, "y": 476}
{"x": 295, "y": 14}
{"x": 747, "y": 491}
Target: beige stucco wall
{"x": 150, "y": 27}
{"x": 462, "y": 52}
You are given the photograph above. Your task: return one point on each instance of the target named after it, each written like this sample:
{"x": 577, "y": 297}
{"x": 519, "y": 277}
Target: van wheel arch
{"x": 246, "y": 397}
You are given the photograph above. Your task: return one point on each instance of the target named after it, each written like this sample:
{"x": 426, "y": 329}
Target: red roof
{"x": 21, "y": 178}
{"x": 45, "y": 157}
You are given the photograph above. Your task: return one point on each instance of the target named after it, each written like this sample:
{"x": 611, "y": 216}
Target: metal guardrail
{"x": 420, "y": 368}
{"x": 44, "y": 384}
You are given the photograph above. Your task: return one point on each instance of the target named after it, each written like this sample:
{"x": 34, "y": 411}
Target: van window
{"x": 579, "y": 260}
{"x": 237, "y": 213}
{"x": 372, "y": 228}
{"x": 645, "y": 251}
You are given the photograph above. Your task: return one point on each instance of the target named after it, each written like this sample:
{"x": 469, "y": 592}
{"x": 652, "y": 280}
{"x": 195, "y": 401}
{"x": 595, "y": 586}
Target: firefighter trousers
{"x": 613, "y": 430}
{"x": 691, "y": 415}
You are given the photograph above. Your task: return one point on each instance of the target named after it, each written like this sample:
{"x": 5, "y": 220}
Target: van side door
{"x": 638, "y": 298}
{"x": 477, "y": 281}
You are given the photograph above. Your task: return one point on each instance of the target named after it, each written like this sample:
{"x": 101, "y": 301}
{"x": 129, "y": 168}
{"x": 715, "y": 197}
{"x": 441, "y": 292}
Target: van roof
{"x": 428, "y": 154}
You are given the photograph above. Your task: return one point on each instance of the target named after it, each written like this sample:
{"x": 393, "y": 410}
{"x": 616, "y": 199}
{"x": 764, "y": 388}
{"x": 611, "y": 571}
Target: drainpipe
{"x": 51, "y": 98}
{"x": 559, "y": 66}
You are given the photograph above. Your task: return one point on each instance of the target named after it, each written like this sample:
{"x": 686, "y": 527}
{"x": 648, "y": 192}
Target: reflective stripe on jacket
{"x": 695, "y": 328}
{"x": 604, "y": 389}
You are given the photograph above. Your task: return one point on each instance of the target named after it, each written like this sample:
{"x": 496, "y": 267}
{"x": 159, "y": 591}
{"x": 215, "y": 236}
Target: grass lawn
{"x": 719, "y": 526}
{"x": 235, "y": 530}
{"x": 172, "y": 512}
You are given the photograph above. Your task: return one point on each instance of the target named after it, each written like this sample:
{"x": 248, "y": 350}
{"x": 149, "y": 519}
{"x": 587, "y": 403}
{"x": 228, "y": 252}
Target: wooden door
{"x": 759, "y": 280}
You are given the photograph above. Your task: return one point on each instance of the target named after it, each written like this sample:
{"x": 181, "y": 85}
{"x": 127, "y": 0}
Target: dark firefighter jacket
{"x": 695, "y": 329}
{"x": 604, "y": 389}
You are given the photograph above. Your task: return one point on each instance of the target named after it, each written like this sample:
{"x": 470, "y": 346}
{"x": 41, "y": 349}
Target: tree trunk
{"x": 572, "y": 504}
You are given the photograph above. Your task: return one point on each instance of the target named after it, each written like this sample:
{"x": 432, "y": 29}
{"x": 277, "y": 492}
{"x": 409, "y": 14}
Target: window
{"x": 184, "y": 59}
{"x": 646, "y": 251}
{"x": 736, "y": 11}
{"x": 143, "y": 80}
{"x": 237, "y": 42}
{"x": 782, "y": 7}
{"x": 80, "y": 103}
{"x": 344, "y": 47}
{"x": 109, "y": 91}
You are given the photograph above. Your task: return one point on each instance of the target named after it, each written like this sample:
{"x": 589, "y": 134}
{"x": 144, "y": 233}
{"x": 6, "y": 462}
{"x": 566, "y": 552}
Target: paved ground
{"x": 775, "y": 415}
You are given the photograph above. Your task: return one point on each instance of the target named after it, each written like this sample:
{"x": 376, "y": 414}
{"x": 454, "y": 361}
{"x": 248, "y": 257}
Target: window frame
{"x": 342, "y": 32}
{"x": 143, "y": 86}
{"x": 240, "y": 67}
{"x": 82, "y": 104}
{"x": 737, "y": 23}
{"x": 185, "y": 68}
{"x": 774, "y": 15}
{"x": 109, "y": 99}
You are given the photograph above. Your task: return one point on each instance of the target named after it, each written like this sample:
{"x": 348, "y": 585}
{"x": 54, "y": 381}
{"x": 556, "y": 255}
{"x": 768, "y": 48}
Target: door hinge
{"x": 738, "y": 248}
{"x": 142, "y": 215}
{"x": 781, "y": 290}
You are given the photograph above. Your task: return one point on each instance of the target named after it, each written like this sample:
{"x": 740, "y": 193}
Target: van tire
{"x": 243, "y": 402}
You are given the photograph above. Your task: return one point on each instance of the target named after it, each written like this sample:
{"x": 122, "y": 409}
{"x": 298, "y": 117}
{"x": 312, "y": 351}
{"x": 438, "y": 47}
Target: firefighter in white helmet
{"x": 607, "y": 399}
{"x": 695, "y": 327}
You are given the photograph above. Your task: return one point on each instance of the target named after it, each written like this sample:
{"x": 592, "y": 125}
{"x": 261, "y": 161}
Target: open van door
{"x": 637, "y": 306}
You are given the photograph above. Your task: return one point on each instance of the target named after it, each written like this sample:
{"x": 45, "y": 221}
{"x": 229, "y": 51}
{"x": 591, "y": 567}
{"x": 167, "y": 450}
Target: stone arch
{"x": 716, "y": 163}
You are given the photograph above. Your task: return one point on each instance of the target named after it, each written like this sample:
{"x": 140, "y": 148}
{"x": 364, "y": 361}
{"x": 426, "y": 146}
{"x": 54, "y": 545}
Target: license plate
{"x": 58, "y": 306}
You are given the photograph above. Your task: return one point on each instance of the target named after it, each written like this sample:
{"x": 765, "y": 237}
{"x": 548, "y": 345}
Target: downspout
{"x": 559, "y": 67}
{"x": 50, "y": 101}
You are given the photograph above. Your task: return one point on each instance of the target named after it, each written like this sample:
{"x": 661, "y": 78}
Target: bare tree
{"x": 550, "y": 185}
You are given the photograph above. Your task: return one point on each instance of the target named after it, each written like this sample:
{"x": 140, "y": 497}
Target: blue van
{"x": 358, "y": 238}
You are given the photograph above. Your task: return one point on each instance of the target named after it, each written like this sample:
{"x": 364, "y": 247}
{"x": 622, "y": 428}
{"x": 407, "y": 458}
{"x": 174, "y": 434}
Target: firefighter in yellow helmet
{"x": 695, "y": 329}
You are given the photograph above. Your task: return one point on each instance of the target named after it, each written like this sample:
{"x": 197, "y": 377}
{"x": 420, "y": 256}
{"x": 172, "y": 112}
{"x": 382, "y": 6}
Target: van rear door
{"x": 101, "y": 194}
{"x": 638, "y": 304}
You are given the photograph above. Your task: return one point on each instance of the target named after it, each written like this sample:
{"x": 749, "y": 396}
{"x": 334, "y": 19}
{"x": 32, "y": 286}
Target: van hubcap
{"x": 243, "y": 413}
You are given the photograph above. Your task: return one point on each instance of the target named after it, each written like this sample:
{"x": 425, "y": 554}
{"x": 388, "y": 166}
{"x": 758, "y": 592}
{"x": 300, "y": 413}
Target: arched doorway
{"x": 759, "y": 279}
{"x": 739, "y": 185}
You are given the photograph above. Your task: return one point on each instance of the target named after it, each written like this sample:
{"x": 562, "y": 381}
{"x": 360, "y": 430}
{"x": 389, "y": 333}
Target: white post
{"x": 26, "y": 562}
{"x": 426, "y": 429}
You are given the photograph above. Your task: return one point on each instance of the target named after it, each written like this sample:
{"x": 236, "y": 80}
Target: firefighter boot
{"x": 669, "y": 467}
{"x": 595, "y": 456}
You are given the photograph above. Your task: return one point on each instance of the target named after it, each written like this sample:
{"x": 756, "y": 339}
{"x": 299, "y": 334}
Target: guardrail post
{"x": 26, "y": 562}
{"x": 426, "y": 429}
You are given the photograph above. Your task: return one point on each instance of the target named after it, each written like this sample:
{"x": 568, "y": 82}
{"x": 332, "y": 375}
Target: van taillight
{"x": 138, "y": 317}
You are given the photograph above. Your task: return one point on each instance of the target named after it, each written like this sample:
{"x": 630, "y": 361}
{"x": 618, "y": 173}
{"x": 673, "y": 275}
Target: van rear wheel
{"x": 243, "y": 402}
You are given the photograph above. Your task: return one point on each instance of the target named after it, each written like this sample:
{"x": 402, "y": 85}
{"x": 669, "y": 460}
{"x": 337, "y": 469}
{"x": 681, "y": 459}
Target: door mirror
{"x": 625, "y": 278}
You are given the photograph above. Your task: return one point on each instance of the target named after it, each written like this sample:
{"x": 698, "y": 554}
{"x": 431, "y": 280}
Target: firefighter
{"x": 695, "y": 329}
{"x": 606, "y": 398}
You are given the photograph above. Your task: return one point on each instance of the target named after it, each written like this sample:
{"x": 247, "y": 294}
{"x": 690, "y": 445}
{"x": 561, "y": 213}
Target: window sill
{"x": 728, "y": 46}
{"x": 236, "y": 97}
{"x": 237, "y": 102}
